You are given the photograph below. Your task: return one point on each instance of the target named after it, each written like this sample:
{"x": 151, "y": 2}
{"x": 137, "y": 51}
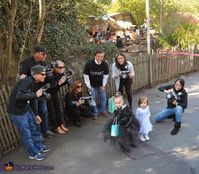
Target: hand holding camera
{"x": 62, "y": 80}
{"x": 173, "y": 96}
{"x": 80, "y": 102}
{"x": 39, "y": 93}
{"x": 175, "y": 102}
{"x": 38, "y": 119}
{"x": 168, "y": 91}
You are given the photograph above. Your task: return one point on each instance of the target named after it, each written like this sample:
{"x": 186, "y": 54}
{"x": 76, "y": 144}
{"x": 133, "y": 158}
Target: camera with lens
{"x": 88, "y": 99}
{"x": 49, "y": 72}
{"x": 68, "y": 73}
{"x": 44, "y": 89}
{"x": 124, "y": 73}
{"x": 173, "y": 96}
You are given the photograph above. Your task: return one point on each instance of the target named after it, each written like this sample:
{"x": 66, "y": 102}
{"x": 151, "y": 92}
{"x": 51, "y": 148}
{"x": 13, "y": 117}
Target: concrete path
{"x": 83, "y": 151}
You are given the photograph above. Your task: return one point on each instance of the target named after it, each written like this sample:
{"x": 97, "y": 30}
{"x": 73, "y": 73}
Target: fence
{"x": 164, "y": 67}
{"x": 9, "y": 137}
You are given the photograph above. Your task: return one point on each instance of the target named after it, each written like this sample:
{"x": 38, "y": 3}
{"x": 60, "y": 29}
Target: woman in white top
{"x": 122, "y": 73}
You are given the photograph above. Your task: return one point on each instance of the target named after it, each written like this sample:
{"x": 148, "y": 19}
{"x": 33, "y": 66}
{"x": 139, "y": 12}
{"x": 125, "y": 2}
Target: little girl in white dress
{"x": 143, "y": 116}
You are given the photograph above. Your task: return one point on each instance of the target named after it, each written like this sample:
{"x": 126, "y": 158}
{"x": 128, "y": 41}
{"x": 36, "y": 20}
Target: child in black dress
{"x": 128, "y": 125}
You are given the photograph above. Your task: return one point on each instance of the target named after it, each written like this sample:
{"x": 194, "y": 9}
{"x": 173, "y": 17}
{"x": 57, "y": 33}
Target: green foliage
{"x": 86, "y": 8}
{"x": 186, "y": 35}
{"x": 180, "y": 33}
{"x": 67, "y": 40}
{"x": 136, "y": 7}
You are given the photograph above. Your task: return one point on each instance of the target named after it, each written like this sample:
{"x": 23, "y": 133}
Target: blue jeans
{"x": 177, "y": 111}
{"x": 30, "y": 137}
{"x": 98, "y": 91}
{"x": 43, "y": 113}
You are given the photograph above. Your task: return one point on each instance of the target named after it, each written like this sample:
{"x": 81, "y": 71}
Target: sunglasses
{"x": 43, "y": 74}
{"x": 79, "y": 86}
{"x": 43, "y": 54}
{"x": 60, "y": 67}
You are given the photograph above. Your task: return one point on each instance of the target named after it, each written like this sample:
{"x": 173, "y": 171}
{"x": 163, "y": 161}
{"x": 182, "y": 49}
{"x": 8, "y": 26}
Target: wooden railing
{"x": 164, "y": 68}
{"x": 9, "y": 137}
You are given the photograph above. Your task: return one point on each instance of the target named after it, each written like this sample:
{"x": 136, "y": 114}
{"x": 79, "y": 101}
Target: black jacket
{"x": 54, "y": 86}
{"x": 182, "y": 101}
{"x": 23, "y": 92}
{"x": 70, "y": 101}
{"x": 126, "y": 118}
{"x": 27, "y": 64}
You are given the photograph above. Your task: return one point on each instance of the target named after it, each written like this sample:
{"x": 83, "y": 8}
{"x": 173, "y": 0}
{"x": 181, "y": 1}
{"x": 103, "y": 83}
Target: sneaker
{"x": 104, "y": 114}
{"x": 146, "y": 137}
{"x": 45, "y": 149}
{"x": 95, "y": 117}
{"x": 38, "y": 156}
{"x": 49, "y": 134}
{"x": 141, "y": 137}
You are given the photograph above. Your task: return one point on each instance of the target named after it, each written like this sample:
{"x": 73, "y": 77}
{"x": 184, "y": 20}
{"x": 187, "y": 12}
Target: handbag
{"x": 111, "y": 105}
{"x": 115, "y": 128}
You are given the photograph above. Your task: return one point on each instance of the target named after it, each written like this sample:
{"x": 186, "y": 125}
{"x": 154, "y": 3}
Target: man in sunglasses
{"x": 22, "y": 116}
{"x": 38, "y": 58}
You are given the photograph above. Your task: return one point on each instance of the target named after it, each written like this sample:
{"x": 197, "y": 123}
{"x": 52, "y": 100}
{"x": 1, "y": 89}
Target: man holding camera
{"x": 38, "y": 58}
{"x": 96, "y": 74}
{"x": 21, "y": 114}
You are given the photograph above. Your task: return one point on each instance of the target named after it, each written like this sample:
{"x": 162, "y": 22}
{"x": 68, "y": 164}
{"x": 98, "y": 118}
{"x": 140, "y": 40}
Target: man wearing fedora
{"x": 21, "y": 115}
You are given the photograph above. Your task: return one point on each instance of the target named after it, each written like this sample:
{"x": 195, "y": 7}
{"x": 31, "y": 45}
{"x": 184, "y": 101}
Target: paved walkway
{"x": 82, "y": 150}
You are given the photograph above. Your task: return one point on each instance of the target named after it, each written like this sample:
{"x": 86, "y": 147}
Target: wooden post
{"x": 149, "y": 43}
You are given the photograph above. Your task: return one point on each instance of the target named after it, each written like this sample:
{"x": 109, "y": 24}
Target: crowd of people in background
{"x": 34, "y": 101}
{"x": 116, "y": 37}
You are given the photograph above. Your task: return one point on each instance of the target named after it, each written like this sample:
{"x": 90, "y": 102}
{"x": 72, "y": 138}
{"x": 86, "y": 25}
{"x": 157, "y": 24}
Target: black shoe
{"x": 176, "y": 128}
{"x": 49, "y": 134}
{"x": 174, "y": 131}
{"x": 123, "y": 149}
{"x": 133, "y": 145}
{"x": 77, "y": 124}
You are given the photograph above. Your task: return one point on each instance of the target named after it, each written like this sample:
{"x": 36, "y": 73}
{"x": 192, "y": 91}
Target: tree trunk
{"x": 26, "y": 35}
{"x": 11, "y": 10}
{"x": 42, "y": 13}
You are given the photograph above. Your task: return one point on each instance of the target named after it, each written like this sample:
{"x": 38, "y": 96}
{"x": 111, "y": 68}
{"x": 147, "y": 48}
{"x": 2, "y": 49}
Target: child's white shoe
{"x": 141, "y": 137}
{"x": 146, "y": 136}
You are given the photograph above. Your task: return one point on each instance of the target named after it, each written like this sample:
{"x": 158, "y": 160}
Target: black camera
{"x": 44, "y": 88}
{"x": 88, "y": 99}
{"x": 124, "y": 74}
{"x": 49, "y": 72}
{"x": 174, "y": 96}
{"x": 68, "y": 73}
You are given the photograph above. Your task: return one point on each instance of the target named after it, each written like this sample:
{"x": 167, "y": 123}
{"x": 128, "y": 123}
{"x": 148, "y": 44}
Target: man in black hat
{"x": 38, "y": 58}
{"x": 21, "y": 115}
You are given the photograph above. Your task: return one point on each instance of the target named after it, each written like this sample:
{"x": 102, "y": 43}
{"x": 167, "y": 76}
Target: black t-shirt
{"x": 21, "y": 93}
{"x": 27, "y": 64}
{"x": 96, "y": 72}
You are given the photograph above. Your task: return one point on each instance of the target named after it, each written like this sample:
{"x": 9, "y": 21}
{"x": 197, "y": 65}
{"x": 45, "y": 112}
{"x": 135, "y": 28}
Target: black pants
{"x": 127, "y": 84}
{"x": 54, "y": 111}
{"x": 75, "y": 114}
